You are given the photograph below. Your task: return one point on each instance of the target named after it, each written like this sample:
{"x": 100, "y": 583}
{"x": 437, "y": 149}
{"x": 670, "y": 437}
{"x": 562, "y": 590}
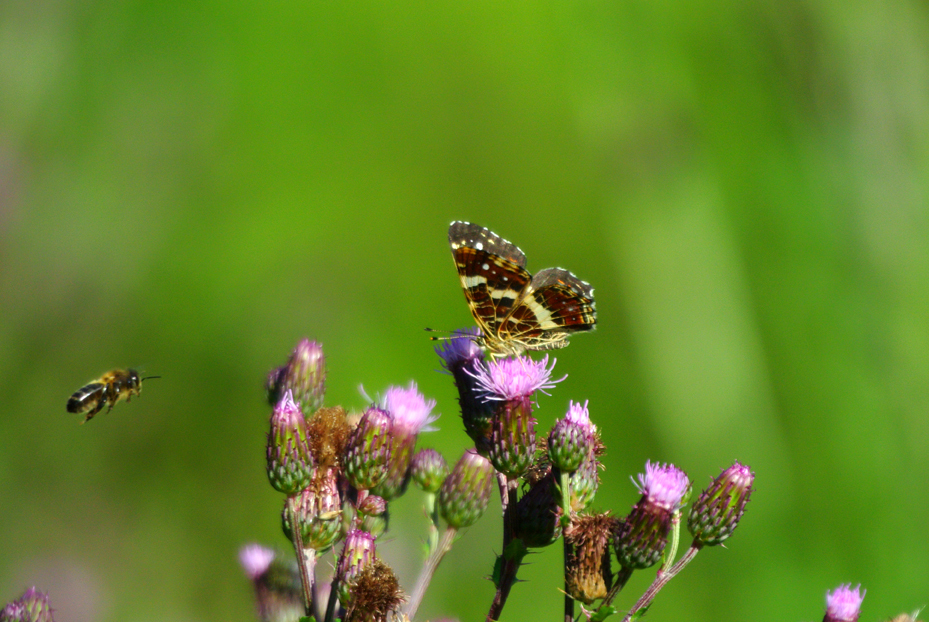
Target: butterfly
{"x": 515, "y": 310}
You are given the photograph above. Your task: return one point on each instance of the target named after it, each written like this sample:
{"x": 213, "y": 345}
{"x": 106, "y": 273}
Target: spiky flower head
{"x": 642, "y": 537}
{"x": 588, "y": 576}
{"x": 466, "y": 491}
{"x": 572, "y": 439}
{"x": 512, "y": 438}
{"x": 410, "y": 413}
{"x": 536, "y": 520}
{"x": 32, "y": 606}
{"x": 428, "y": 470}
{"x": 719, "y": 508}
{"x": 357, "y": 553}
{"x": 367, "y": 453}
{"x": 304, "y": 375}
{"x": 319, "y": 512}
{"x": 844, "y": 604}
{"x": 328, "y": 431}
{"x": 278, "y": 593}
{"x": 515, "y": 378}
{"x": 461, "y": 356}
{"x": 376, "y": 594}
{"x": 290, "y": 464}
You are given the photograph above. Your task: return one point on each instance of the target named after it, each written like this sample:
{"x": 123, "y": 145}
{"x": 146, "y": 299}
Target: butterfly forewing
{"x": 514, "y": 310}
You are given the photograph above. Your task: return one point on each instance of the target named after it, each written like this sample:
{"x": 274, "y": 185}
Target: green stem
{"x": 429, "y": 568}
{"x": 646, "y": 600}
{"x": 306, "y": 561}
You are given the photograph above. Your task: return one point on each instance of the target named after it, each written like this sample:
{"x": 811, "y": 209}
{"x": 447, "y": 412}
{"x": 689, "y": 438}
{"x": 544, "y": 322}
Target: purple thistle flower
{"x": 32, "y": 606}
{"x": 642, "y": 536}
{"x": 255, "y": 560}
{"x": 460, "y": 350}
{"x": 357, "y": 552}
{"x": 844, "y": 604}
{"x": 664, "y": 485}
{"x": 515, "y": 378}
{"x": 409, "y": 413}
{"x": 461, "y": 356}
{"x": 367, "y": 454}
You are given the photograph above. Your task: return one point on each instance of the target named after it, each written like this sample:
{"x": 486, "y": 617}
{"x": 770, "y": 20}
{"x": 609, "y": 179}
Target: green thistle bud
{"x": 537, "y": 515}
{"x": 588, "y": 576}
{"x": 304, "y": 375}
{"x": 32, "y": 606}
{"x": 429, "y": 469}
{"x": 357, "y": 553}
{"x": 319, "y": 512}
{"x": 512, "y": 440}
{"x": 572, "y": 439}
{"x": 290, "y": 464}
{"x": 642, "y": 536}
{"x": 584, "y": 483}
{"x": 368, "y": 450}
{"x": 717, "y": 512}
{"x": 466, "y": 491}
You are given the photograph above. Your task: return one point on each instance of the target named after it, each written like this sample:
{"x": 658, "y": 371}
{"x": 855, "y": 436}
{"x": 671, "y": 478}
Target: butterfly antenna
{"x": 148, "y": 378}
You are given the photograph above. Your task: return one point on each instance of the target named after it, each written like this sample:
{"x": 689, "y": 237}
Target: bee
{"x": 107, "y": 389}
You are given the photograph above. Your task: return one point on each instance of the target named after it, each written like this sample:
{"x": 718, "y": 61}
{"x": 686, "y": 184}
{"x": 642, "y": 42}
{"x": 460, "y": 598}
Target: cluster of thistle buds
{"x": 339, "y": 473}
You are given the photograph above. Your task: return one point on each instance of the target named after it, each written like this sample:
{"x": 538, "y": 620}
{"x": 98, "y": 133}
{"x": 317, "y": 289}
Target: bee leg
{"x": 93, "y": 411}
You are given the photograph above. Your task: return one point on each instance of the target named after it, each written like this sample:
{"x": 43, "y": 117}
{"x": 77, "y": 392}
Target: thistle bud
{"x": 642, "y": 536}
{"x": 368, "y": 450}
{"x": 319, "y": 512}
{"x": 376, "y": 594}
{"x": 372, "y": 505}
{"x": 511, "y": 383}
{"x": 461, "y": 356}
{"x": 844, "y": 604}
{"x": 466, "y": 491}
{"x": 584, "y": 483}
{"x": 717, "y": 512}
{"x": 278, "y": 593}
{"x": 428, "y": 470}
{"x": 537, "y": 514}
{"x": 290, "y": 463}
{"x": 572, "y": 439}
{"x": 32, "y": 606}
{"x": 588, "y": 576}
{"x": 304, "y": 375}
{"x": 357, "y": 553}
{"x": 409, "y": 413}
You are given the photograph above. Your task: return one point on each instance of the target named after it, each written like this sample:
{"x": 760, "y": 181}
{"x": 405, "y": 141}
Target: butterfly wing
{"x": 555, "y": 304}
{"x": 493, "y": 275}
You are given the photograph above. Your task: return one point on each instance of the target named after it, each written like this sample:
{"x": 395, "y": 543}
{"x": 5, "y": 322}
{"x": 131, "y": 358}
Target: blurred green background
{"x": 192, "y": 187}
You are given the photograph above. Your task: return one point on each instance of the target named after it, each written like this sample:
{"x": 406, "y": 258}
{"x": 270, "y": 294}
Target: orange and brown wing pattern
{"x": 514, "y": 310}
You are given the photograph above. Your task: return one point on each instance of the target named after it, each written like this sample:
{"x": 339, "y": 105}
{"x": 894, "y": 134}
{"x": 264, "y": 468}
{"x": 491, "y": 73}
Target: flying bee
{"x": 107, "y": 389}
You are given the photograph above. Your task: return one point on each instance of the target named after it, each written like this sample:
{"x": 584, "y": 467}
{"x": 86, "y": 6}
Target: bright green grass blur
{"x": 190, "y": 188}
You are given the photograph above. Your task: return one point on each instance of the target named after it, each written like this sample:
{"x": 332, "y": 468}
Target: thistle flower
{"x": 588, "y": 576}
{"x": 428, "y": 470}
{"x": 278, "y": 594}
{"x": 290, "y": 463}
{"x": 641, "y": 538}
{"x": 717, "y": 512}
{"x": 32, "y": 606}
{"x": 844, "y": 604}
{"x": 584, "y": 483}
{"x": 319, "y": 512}
{"x": 466, "y": 491}
{"x": 376, "y": 594}
{"x": 357, "y": 553}
{"x": 572, "y": 439}
{"x": 536, "y": 520}
{"x": 410, "y": 413}
{"x": 328, "y": 431}
{"x": 511, "y": 383}
{"x": 461, "y": 356}
{"x": 367, "y": 453}
{"x": 304, "y": 375}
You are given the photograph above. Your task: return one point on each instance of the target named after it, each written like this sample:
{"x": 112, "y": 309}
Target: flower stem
{"x": 646, "y": 600}
{"x": 429, "y": 568}
{"x": 306, "y": 558}
{"x": 513, "y": 552}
